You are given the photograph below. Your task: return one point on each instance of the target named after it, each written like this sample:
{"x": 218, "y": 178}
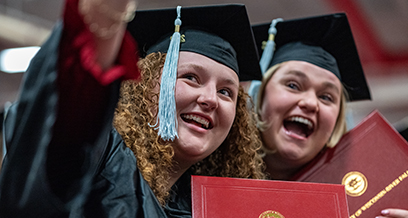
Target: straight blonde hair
{"x": 339, "y": 129}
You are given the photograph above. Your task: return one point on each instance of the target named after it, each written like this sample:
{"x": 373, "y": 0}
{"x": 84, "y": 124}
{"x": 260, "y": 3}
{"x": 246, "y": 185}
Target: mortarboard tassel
{"x": 166, "y": 117}
{"x": 266, "y": 59}
{"x": 269, "y": 49}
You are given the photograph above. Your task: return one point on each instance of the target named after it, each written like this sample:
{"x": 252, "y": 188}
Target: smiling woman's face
{"x": 301, "y": 102}
{"x": 206, "y": 97}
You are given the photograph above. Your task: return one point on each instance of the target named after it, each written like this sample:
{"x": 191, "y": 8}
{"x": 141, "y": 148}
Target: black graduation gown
{"x": 109, "y": 185}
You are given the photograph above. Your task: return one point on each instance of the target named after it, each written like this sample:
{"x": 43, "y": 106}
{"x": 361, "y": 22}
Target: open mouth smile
{"x": 197, "y": 120}
{"x": 299, "y": 125}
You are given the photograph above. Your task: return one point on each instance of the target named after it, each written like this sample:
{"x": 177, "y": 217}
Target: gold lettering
{"x": 354, "y": 183}
{"x": 376, "y": 198}
{"x": 403, "y": 176}
{"x": 371, "y": 204}
{"x": 382, "y": 193}
{"x": 368, "y": 205}
{"x": 389, "y": 187}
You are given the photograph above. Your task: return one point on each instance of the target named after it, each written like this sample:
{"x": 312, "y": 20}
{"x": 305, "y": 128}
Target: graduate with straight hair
{"x": 310, "y": 73}
{"x": 311, "y": 68}
{"x": 80, "y": 143}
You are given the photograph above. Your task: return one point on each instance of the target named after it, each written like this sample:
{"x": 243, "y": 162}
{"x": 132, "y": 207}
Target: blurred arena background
{"x": 380, "y": 28}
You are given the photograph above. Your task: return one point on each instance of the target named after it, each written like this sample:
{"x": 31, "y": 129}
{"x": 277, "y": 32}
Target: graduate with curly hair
{"x": 83, "y": 142}
{"x": 235, "y": 157}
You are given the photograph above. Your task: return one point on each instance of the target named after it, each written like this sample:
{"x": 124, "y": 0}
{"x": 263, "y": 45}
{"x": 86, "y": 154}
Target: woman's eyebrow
{"x": 191, "y": 65}
{"x": 200, "y": 68}
{"x": 303, "y": 76}
{"x": 330, "y": 85}
{"x": 299, "y": 74}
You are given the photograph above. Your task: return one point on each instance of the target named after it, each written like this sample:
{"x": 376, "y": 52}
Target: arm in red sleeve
{"x": 83, "y": 86}
{"x": 85, "y": 97}
{"x": 78, "y": 50}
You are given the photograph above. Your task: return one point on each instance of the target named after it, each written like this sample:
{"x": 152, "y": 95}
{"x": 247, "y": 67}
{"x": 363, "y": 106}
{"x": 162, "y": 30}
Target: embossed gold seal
{"x": 355, "y": 183}
{"x": 271, "y": 213}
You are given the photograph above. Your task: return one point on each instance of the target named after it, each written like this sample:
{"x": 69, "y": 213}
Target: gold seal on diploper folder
{"x": 355, "y": 183}
{"x": 271, "y": 213}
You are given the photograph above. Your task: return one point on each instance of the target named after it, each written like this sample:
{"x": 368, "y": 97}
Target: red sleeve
{"x": 78, "y": 49}
{"x": 86, "y": 98}
{"x": 84, "y": 89}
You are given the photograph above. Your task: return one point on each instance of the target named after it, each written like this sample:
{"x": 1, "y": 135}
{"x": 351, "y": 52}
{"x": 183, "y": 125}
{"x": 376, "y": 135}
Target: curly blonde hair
{"x": 236, "y": 156}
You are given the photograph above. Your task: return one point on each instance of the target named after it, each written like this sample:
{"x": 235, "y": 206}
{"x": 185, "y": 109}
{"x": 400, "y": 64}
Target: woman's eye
{"x": 190, "y": 77}
{"x": 226, "y": 92}
{"x": 293, "y": 85}
{"x": 327, "y": 97}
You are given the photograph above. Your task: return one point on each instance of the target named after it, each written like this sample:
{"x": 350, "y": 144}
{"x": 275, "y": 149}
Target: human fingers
{"x": 394, "y": 213}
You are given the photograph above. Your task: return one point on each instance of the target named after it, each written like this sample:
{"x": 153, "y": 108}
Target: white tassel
{"x": 167, "y": 115}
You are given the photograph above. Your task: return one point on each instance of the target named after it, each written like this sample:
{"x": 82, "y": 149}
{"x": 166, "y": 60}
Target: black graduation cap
{"x": 203, "y": 27}
{"x": 220, "y": 32}
{"x": 325, "y": 41}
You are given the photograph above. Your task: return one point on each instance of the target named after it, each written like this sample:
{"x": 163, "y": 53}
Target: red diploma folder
{"x": 214, "y": 197}
{"x": 371, "y": 161}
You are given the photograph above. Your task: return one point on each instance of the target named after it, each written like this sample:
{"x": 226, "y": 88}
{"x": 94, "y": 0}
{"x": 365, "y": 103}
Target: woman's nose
{"x": 208, "y": 98}
{"x": 309, "y": 102}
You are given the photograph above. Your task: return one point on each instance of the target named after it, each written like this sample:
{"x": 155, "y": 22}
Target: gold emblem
{"x": 355, "y": 183}
{"x": 271, "y": 213}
